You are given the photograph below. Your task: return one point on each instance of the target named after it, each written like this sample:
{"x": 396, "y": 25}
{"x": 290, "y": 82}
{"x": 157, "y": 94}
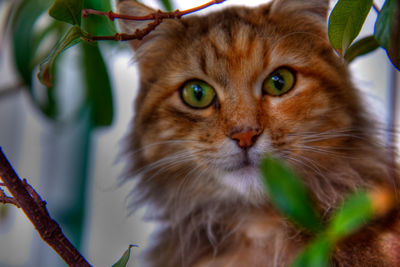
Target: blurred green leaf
{"x": 22, "y": 27}
{"x": 50, "y": 106}
{"x": 346, "y": 21}
{"x": 67, "y": 10}
{"x": 71, "y": 37}
{"x": 47, "y": 71}
{"x": 98, "y": 87}
{"x": 55, "y": 28}
{"x": 361, "y": 47}
{"x": 123, "y": 261}
{"x": 317, "y": 254}
{"x": 351, "y": 215}
{"x": 98, "y": 25}
{"x": 167, "y": 4}
{"x": 387, "y": 30}
{"x": 287, "y": 192}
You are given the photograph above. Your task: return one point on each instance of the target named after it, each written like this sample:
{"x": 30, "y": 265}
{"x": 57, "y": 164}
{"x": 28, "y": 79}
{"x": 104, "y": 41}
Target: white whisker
{"x": 167, "y": 142}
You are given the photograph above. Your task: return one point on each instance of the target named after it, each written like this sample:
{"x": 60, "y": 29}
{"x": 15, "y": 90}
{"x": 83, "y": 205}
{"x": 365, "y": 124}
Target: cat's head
{"x": 217, "y": 92}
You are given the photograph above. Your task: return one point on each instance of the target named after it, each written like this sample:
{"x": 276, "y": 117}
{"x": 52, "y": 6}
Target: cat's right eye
{"x": 279, "y": 82}
{"x": 197, "y": 94}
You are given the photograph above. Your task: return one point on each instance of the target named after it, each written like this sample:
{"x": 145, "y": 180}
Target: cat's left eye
{"x": 197, "y": 94}
{"x": 279, "y": 82}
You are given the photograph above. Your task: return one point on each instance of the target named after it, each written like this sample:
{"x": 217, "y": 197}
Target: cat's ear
{"x": 134, "y": 8}
{"x": 316, "y": 8}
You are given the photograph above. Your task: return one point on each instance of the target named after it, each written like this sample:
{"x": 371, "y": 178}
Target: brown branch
{"x": 7, "y": 200}
{"x": 36, "y": 197}
{"x": 34, "y": 208}
{"x": 137, "y": 35}
{"x": 157, "y": 16}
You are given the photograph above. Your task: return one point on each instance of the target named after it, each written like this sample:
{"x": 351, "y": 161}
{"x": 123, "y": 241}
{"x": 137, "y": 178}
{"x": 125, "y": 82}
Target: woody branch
{"x": 25, "y": 197}
{"x": 157, "y": 18}
{"x": 6, "y": 199}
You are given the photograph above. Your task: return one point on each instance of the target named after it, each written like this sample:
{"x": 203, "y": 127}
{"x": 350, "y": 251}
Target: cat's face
{"x": 221, "y": 91}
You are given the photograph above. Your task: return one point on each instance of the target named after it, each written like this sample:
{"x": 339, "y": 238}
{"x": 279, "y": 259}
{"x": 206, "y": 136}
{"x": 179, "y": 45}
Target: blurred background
{"x": 67, "y": 141}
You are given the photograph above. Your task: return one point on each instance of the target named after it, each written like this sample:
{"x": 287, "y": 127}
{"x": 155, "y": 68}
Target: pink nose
{"x": 245, "y": 139}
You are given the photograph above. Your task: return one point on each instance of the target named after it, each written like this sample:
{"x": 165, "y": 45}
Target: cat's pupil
{"x": 197, "y": 92}
{"x": 278, "y": 81}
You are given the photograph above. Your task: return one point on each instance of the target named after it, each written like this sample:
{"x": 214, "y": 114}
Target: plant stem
{"x": 35, "y": 210}
{"x": 158, "y": 17}
{"x": 159, "y": 14}
{"x": 6, "y": 199}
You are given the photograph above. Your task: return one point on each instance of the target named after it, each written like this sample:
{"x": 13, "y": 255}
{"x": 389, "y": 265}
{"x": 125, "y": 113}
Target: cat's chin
{"x": 243, "y": 181}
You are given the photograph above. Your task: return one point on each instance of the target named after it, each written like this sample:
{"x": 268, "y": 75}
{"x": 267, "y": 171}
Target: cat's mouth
{"x": 243, "y": 163}
{"x": 242, "y": 175}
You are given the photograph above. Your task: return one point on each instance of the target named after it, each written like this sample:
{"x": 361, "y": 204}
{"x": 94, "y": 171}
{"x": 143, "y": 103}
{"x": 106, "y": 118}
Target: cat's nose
{"x": 245, "y": 139}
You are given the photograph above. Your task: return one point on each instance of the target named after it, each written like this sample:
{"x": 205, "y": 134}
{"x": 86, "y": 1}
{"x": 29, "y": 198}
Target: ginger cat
{"x": 219, "y": 91}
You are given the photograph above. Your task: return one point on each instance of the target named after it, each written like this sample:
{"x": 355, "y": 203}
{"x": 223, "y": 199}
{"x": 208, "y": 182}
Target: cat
{"x": 220, "y": 91}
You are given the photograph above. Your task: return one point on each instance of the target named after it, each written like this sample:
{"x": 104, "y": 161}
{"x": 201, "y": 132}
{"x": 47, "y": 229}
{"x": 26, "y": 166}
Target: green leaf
{"x": 167, "y": 4}
{"x": 361, "y": 47}
{"x": 123, "y": 261}
{"x": 317, "y": 254}
{"x": 67, "y": 10}
{"x": 71, "y": 37}
{"x": 22, "y": 31}
{"x": 49, "y": 107}
{"x": 385, "y": 30}
{"x": 289, "y": 195}
{"x": 56, "y": 29}
{"x": 98, "y": 87}
{"x": 353, "y": 214}
{"x": 346, "y": 21}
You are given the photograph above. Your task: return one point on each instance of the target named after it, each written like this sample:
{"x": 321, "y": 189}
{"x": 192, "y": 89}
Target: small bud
{"x": 383, "y": 200}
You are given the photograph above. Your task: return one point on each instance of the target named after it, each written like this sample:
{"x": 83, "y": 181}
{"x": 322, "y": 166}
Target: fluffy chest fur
{"x": 274, "y": 86}
{"x": 261, "y": 240}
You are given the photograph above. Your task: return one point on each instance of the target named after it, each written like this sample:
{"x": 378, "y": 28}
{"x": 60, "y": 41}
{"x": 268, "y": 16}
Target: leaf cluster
{"x": 347, "y": 19}
{"x": 64, "y": 28}
{"x": 33, "y": 29}
{"x": 290, "y": 197}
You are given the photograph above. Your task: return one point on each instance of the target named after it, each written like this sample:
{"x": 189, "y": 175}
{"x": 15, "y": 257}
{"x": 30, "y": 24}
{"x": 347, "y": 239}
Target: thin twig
{"x": 7, "y": 200}
{"x": 137, "y": 35}
{"x": 33, "y": 206}
{"x": 157, "y": 16}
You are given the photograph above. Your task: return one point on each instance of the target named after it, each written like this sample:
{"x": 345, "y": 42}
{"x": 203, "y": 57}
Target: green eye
{"x": 197, "y": 94}
{"x": 279, "y": 82}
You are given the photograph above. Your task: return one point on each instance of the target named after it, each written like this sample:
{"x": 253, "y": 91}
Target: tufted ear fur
{"x": 314, "y": 8}
{"x": 134, "y": 8}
